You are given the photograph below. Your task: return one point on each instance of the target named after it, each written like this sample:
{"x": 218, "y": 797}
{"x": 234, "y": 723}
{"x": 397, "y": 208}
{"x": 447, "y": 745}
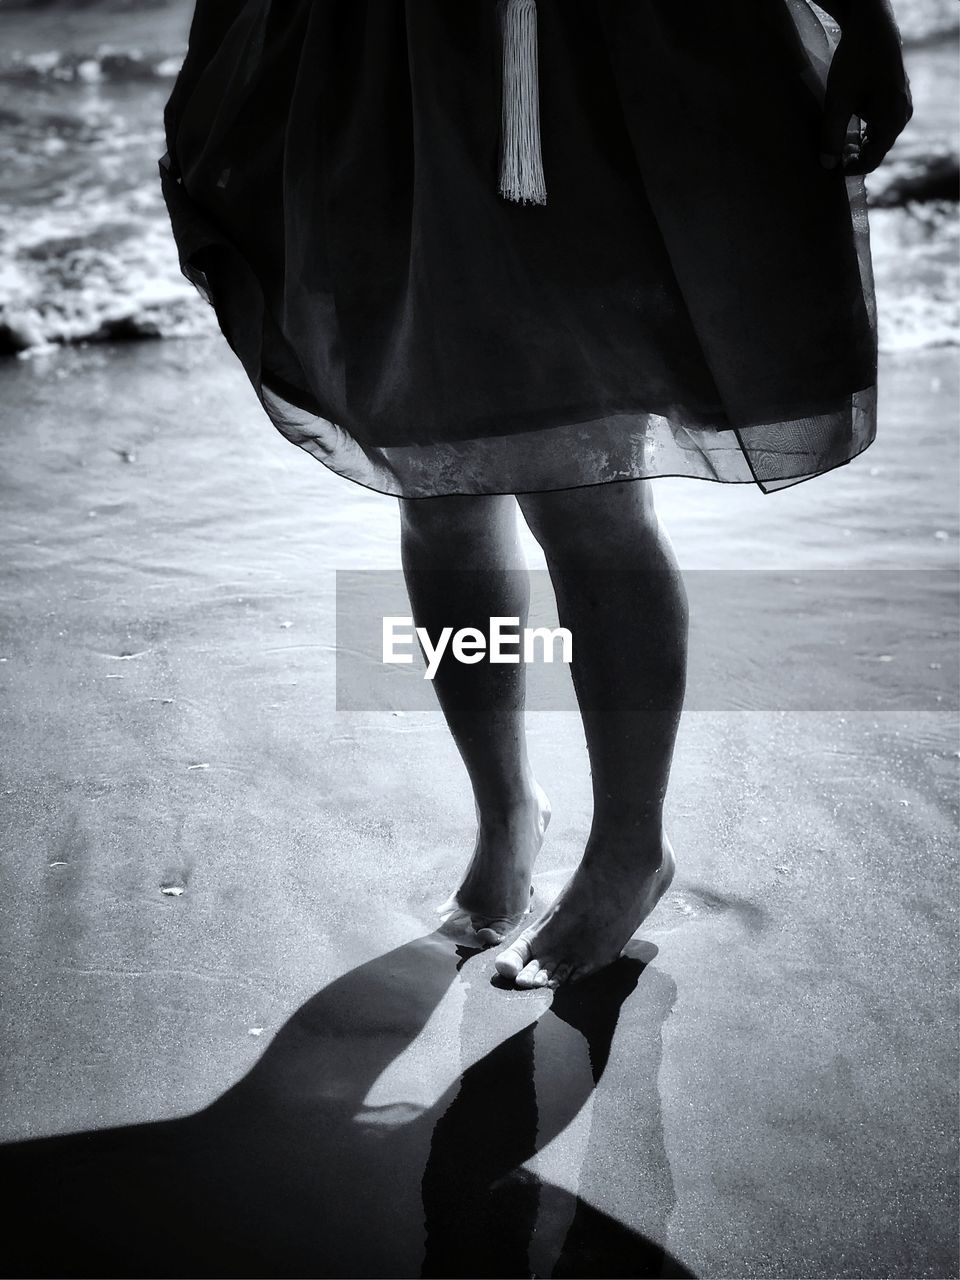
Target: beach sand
{"x": 218, "y": 890}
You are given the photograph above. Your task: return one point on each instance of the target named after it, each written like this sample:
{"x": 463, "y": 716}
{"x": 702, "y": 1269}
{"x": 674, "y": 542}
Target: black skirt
{"x": 694, "y": 298}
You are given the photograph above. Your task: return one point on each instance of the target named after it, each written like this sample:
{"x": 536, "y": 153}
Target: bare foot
{"x": 496, "y": 888}
{"x": 593, "y": 918}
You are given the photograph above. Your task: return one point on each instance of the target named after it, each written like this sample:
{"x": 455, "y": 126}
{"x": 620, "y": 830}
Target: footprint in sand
{"x": 692, "y": 902}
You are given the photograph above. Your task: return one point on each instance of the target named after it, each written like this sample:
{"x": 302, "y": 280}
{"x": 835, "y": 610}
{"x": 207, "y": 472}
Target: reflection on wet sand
{"x": 299, "y": 1170}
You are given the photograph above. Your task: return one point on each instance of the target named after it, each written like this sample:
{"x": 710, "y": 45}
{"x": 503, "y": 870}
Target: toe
{"x": 559, "y": 974}
{"x": 492, "y": 932}
{"x": 527, "y": 977}
{"x": 493, "y": 929}
{"x": 511, "y": 961}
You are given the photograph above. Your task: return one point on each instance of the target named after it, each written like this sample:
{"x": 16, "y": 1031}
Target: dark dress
{"x": 695, "y": 297}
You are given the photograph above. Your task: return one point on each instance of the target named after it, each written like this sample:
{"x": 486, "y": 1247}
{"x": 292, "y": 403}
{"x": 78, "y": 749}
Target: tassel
{"x": 521, "y": 164}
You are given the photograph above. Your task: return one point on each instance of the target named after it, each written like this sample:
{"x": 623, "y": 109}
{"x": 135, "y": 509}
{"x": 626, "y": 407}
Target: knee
{"x": 460, "y": 527}
{"x": 596, "y": 523}
{"x": 429, "y": 519}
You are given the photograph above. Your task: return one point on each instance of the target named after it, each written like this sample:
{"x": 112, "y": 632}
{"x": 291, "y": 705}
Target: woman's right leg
{"x": 463, "y": 564}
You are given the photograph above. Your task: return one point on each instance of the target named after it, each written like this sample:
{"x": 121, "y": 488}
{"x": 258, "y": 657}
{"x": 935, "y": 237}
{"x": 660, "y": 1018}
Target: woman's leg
{"x": 463, "y": 564}
{"x": 620, "y": 593}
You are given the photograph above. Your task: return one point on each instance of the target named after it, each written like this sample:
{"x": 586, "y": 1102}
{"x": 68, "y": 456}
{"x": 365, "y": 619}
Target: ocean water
{"x": 85, "y": 249}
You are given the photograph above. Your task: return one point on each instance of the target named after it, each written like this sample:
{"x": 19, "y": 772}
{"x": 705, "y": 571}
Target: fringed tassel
{"x": 521, "y": 164}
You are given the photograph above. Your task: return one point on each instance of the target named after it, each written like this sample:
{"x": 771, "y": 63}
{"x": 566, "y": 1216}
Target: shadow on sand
{"x": 292, "y": 1173}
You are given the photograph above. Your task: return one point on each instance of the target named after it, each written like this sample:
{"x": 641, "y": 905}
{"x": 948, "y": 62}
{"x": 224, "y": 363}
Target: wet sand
{"x": 308, "y": 1079}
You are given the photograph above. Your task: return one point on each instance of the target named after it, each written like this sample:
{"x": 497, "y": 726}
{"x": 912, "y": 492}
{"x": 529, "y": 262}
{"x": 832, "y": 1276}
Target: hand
{"x": 866, "y": 79}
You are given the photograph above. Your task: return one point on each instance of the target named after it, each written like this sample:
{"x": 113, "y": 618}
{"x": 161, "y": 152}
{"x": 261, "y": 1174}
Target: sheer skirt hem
{"x": 587, "y": 451}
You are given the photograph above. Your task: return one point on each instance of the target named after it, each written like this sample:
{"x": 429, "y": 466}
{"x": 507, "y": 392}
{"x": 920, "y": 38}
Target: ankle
{"x": 508, "y": 798}
{"x": 507, "y": 811}
{"x": 635, "y": 835}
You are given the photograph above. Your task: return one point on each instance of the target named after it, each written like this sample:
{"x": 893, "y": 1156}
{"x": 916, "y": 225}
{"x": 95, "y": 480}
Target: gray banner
{"x": 820, "y": 640}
